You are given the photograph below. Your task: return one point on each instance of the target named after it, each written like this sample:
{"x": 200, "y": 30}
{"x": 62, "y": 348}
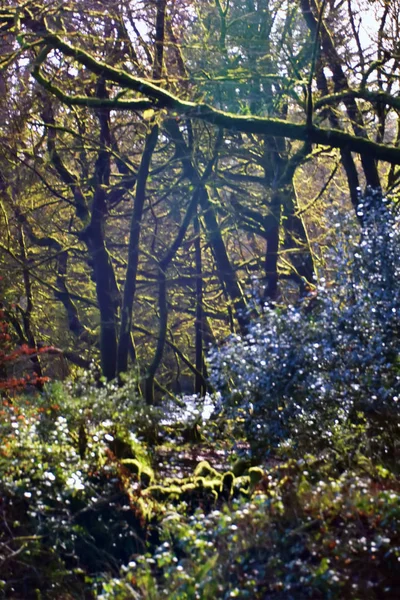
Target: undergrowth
{"x": 290, "y": 490}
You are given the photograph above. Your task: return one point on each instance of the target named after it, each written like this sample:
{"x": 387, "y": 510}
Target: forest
{"x": 199, "y": 299}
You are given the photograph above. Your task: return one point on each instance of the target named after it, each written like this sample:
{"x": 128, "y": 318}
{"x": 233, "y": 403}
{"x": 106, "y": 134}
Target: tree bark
{"x": 199, "y": 386}
{"x": 309, "y": 10}
{"x": 133, "y": 250}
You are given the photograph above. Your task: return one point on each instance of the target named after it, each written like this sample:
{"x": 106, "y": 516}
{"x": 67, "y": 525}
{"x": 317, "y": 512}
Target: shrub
{"x": 303, "y": 371}
{"x": 82, "y": 511}
{"x": 303, "y": 536}
{"x": 10, "y": 355}
{"x": 69, "y": 507}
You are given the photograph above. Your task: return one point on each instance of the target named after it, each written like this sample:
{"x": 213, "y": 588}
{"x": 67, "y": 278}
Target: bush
{"x": 303, "y": 536}
{"x": 69, "y": 507}
{"x": 91, "y": 507}
{"x": 331, "y": 361}
{"x": 10, "y": 355}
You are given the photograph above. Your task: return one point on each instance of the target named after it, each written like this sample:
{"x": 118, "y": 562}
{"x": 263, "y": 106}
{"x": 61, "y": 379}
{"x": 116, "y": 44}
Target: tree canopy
{"x": 152, "y": 158}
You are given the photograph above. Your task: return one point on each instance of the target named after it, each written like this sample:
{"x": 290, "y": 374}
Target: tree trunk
{"x": 133, "y": 251}
{"x": 271, "y": 253}
{"x": 198, "y": 325}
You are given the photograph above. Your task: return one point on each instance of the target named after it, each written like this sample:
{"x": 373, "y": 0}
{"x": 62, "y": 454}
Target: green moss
{"x": 178, "y": 480}
{"x": 255, "y": 474}
{"x": 204, "y": 469}
{"x": 163, "y": 493}
{"x": 213, "y": 484}
{"x": 158, "y": 492}
{"x": 189, "y": 488}
{"x": 133, "y": 465}
{"x": 240, "y": 466}
{"x": 211, "y": 491}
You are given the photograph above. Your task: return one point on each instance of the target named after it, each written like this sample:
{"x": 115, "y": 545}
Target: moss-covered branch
{"x": 91, "y": 102}
{"x": 245, "y": 124}
{"x": 377, "y": 96}
{"x": 165, "y": 99}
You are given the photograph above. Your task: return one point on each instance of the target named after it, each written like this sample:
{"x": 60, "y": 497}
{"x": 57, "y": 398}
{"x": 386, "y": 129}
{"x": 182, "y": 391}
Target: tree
{"x": 183, "y": 135}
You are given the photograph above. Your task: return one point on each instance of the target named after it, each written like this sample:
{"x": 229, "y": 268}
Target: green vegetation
{"x": 199, "y": 299}
{"x": 89, "y": 509}
{"x": 108, "y": 493}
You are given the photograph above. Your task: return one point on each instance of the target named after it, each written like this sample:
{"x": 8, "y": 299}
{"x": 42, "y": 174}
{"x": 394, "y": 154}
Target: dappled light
{"x": 199, "y": 300}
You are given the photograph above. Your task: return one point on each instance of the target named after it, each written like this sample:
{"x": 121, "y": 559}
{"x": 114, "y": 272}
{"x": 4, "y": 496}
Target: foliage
{"x": 156, "y": 159}
{"x": 151, "y": 191}
{"x": 10, "y": 355}
{"x": 90, "y": 509}
{"x": 304, "y": 371}
{"x": 66, "y": 497}
{"x": 303, "y": 535}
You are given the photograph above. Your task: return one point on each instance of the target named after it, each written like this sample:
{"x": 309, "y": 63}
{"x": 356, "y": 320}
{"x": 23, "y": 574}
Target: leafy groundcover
{"x": 89, "y": 509}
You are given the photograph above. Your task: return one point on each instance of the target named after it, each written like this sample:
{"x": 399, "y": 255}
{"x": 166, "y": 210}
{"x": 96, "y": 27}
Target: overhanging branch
{"x": 160, "y": 98}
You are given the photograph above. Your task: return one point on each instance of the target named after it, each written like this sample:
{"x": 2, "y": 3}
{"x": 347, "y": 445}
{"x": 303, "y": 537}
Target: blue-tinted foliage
{"x": 303, "y": 370}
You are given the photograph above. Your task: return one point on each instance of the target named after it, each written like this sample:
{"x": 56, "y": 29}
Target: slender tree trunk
{"x": 271, "y": 253}
{"x": 104, "y": 275}
{"x": 163, "y": 316}
{"x": 296, "y": 239}
{"x": 162, "y": 294}
{"x": 125, "y": 339}
{"x": 348, "y": 163}
{"x": 105, "y": 291}
{"x": 279, "y": 172}
{"x": 74, "y": 323}
{"x": 310, "y": 13}
{"x": 133, "y": 251}
{"x": 198, "y": 325}
{"x": 27, "y": 313}
{"x": 225, "y": 269}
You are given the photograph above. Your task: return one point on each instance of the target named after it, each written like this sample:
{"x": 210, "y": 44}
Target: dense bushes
{"x": 303, "y": 371}
{"x": 305, "y": 535}
{"x": 87, "y": 511}
{"x": 68, "y": 505}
